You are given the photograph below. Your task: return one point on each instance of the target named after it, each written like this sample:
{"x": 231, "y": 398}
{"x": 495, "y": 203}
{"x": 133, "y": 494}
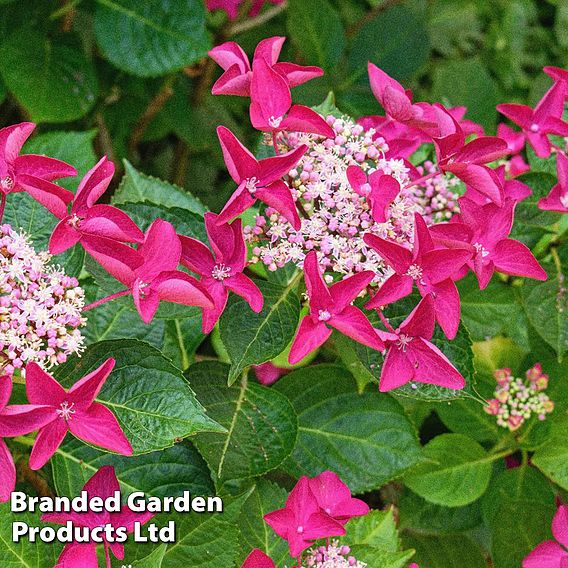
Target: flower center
{"x": 403, "y": 341}
{"x": 274, "y": 121}
{"x": 251, "y": 185}
{"x": 564, "y": 200}
{"x": 65, "y": 410}
{"x": 414, "y": 271}
{"x": 142, "y": 288}
{"x": 300, "y": 529}
{"x": 481, "y": 249}
{"x": 75, "y": 221}
{"x": 324, "y": 315}
{"x": 7, "y": 183}
{"x": 220, "y": 272}
{"x": 534, "y": 127}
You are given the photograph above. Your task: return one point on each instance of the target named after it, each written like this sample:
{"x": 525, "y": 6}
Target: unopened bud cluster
{"x": 516, "y": 400}
{"x": 335, "y": 217}
{"x": 333, "y": 556}
{"x": 40, "y": 307}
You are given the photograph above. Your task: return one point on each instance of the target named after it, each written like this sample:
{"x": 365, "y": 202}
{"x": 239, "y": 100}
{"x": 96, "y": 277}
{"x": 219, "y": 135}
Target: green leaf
{"x": 366, "y": 439}
{"x": 153, "y": 560}
{"x": 151, "y": 38}
{"x": 23, "y": 553}
{"x": 252, "y": 338}
{"x": 546, "y": 306}
{"x": 75, "y": 148}
{"x": 54, "y": 82}
{"x": 445, "y": 551}
{"x": 168, "y": 472}
{"x": 457, "y": 473}
{"x": 424, "y": 517}
{"x": 377, "y": 529}
{"x": 396, "y": 41}
{"x": 467, "y": 83}
{"x": 182, "y": 338}
{"x": 496, "y": 310}
{"x": 552, "y": 457}
{"x": 306, "y": 20}
{"x": 152, "y": 401}
{"x": 531, "y": 223}
{"x": 254, "y": 532}
{"x": 518, "y": 508}
{"x": 261, "y": 426}
{"x": 379, "y": 558}
{"x": 136, "y": 187}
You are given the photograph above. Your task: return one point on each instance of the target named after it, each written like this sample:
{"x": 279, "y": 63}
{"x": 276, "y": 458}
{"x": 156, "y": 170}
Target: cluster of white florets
{"x": 333, "y": 556}
{"x": 516, "y": 400}
{"x": 40, "y": 307}
{"x": 334, "y": 216}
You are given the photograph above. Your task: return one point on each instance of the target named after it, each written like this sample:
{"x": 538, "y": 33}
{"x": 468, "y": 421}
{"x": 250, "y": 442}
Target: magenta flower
{"x": 89, "y": 222}
{"x": 412, "y": 357}
{"x": 268, "y": 373}
{"x": 545, "y": 119}
{"x": 301, "y": 521}
{"x": 557, "y": 199}
{"x": 74, "y": 410}
{"x": 396, "y": 101}
{"x": 31, "y": 173}
{"x": 486, "y": 228}
{"x": 331, "y": 308}
{"x": 334, "y": 498}
{"x": 157, "y": 278}
{"x": 221, "y": 271}
{"x": 432, "y": 269}
{"x": 557, "y": 74}
{"x": 551, "y": 554}
{"x": 379, "y": 189}
{"x": 257, "y": 559}
{"x": 466, "y": 161}
{"x": 236, "y": 79}
{"x": 271, "y": 108}
{"x": 258, "y": 179}
{"x": 15, "y": 420}
{"x": 513, "y": 190}
{"x": 102, "y": 484}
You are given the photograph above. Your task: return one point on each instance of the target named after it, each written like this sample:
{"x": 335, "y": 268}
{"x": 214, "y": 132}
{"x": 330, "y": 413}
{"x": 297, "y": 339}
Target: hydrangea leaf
{"x": 377, "y": 529}
{"x": 365, "y": 438}
{"x": 151, "y": 38}
{"x": 252, "y": 338}
{"x": 552, "y": 456}
{"x": 445, "y": 551}
{"x": 261, "y": 425}
{"x": 518, "y": 509}
{"x": 254, "y": 532}
{"x": 153, "y": 403}
{"x": 169, "y": 472}
{"x": 16, "y": 554}
{"x": 457, "y": 472}
{"x": 137, "y": 187}
{"x": 52, "y": 80}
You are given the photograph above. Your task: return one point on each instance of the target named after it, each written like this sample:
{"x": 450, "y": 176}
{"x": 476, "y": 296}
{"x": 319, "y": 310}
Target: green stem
{"x": 24, "y": 440}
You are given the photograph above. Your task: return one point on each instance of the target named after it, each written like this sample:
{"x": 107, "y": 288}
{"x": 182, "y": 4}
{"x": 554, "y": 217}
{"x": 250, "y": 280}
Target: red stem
{"x": 425, "y": 178}
{"x": 105, "y": 300}
{"x": 275, "y": 143}
{"x": 385, "y": 321}
{"x": 2, "y": 206}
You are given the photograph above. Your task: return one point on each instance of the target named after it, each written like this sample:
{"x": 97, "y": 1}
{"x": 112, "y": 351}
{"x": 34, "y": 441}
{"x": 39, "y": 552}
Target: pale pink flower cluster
{"x": 334, "y": 216}
{"x": 40, "y": 307}
{"x": 516, "y": 400}
{"x": 333, "y": 556}
{"x": 437, "y": 196}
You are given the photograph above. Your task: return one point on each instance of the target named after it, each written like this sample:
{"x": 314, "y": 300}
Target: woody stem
{"x": 385, "y": 321}
{"x": 105, "y": 300}
{"x": 2, "y": 205}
